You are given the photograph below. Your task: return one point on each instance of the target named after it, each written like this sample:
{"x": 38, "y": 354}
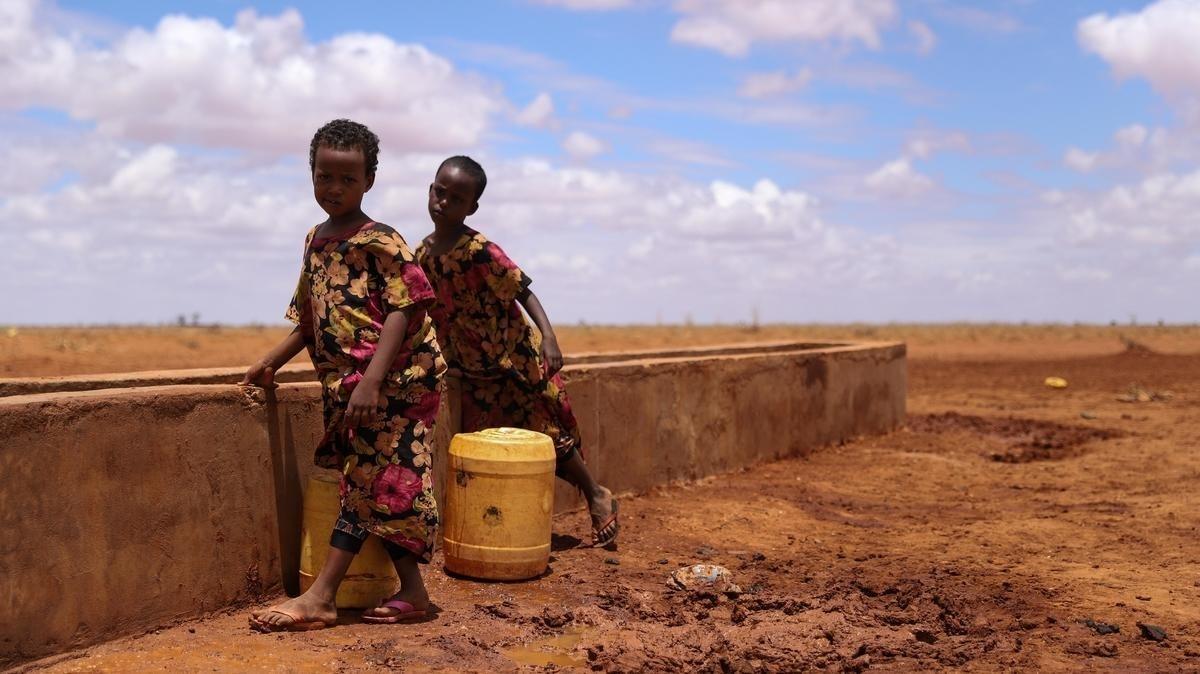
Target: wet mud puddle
{"x": 558, "y": 651}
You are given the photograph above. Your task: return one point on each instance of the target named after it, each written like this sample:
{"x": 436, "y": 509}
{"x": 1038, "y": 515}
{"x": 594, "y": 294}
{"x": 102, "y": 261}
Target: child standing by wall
{"x": 361, "y": 311}
{"x": 506, "y": 379}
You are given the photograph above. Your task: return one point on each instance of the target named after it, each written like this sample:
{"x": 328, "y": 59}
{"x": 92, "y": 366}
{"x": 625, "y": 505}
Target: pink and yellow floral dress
{"x": 485, "y": 335}
{"x": 348, "y": 286}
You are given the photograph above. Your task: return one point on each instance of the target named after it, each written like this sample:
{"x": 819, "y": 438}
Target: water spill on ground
{"x": 557, "y": 650}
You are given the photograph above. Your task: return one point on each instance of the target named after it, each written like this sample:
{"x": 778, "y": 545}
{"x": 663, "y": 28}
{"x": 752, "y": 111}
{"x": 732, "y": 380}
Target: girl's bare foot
{"x": 306, "y": 612}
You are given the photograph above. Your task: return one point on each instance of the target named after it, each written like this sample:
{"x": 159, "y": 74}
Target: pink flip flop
{"x": 407, "y": 612}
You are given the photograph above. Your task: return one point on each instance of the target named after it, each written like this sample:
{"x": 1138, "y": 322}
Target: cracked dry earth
{"x": 981, "y": 537}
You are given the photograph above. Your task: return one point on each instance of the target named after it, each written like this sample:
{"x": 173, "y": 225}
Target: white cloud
{"x": 1143, "y": 149}
{"x": 1131, "y": 137}
{"x": 732, "y": 26}
{"x": 1084, "y": 274}
{"x": 641, "y": 248}
{"x": 153, "y": 231}
{"x": 877, "y": 76}
{"x": 762, "y": 85}
{"x": 1157, "y": 211}
{"x": 975, "y": 18}
{"x": 688, "y": 152}
{"x": 728, "y": 210}
{"x": 1158, "y": 43}
{"x": 923, "y": 35}
{"x": 581, "y": 145}
{"x": 925, "y": 143}
{"x": 898, "y": 179}
{"x": 539, "y": 113}
{"x": 1079, "y": 160}
{"x": 587, "y": 5}
{"x": 563, "y": 265}
{"x": 620, "y": 112}
{"x": 258, "y": 84}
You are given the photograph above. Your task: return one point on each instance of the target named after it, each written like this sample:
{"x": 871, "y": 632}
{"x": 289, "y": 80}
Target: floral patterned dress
{"x": 486, "y": 337}
{"x": 348, "y": 286}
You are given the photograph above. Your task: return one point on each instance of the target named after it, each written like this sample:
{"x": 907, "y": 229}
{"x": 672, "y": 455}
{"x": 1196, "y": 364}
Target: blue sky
{"x": 831, "y": 160}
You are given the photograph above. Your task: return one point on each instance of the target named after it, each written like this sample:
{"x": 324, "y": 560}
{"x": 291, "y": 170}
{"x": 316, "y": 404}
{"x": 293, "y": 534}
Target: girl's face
{"x": 340, "y": 180}
{"x": 451, "y": 196}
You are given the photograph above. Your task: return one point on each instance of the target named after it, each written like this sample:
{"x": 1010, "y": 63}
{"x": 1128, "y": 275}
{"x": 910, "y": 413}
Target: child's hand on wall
{"x": 259, "y": 374}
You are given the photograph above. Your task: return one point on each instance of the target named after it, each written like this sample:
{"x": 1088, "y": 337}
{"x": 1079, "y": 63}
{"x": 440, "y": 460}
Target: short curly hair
{"x": 344, "y": 134}
{"x": 471, "y": 168}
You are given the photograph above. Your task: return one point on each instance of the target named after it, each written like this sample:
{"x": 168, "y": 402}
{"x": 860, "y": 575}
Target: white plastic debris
{"x": 703, "y": 576}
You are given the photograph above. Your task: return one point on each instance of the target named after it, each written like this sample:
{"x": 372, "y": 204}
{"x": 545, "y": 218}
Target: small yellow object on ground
{"x": 1056, "y": 382}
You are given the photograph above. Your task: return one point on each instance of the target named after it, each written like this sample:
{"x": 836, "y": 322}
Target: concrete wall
{"x": 122, "y": 509}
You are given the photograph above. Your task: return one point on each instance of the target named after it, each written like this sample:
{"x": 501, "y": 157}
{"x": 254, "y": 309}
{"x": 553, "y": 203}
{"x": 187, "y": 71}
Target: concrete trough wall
{"x": 126, "y": 508}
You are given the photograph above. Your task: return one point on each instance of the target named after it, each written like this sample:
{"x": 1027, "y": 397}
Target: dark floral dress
{"x": 347, "y": 287}
{"x": 485, "y": 335}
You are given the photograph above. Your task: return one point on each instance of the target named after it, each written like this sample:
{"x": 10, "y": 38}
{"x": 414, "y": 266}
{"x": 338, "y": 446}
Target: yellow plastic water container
{"x": 499, "y": 502}
{"x": 371, "y": 577}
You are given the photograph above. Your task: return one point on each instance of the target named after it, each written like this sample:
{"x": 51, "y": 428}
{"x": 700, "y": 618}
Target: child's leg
{"x": 601, "y": 504}
{"x": 317, "y": 604}
{"x": 412, "y": 600}
{"x": 575, "y": 471}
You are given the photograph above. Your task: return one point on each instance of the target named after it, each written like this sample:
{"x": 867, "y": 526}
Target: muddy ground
{"x": 981, "y": 537}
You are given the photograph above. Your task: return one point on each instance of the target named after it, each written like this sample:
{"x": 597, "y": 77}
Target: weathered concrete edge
{"x": 302, "y": 371}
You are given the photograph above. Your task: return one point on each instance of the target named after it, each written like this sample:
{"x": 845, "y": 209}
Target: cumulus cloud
{"x": 563, "y": 265}
{"x": 898, "y": 179}
{"x": 923, "y": 36}
{"x": 925, "y": 143}
{"x": 1156, "y": 211}
{"x": 1080, "y": 160}
{"x": 258, "y": 84}
{"x": 142, "y": 232}
{"x": 1140, "y": 148}
{"x": 763, "y": 85}
{"x": 732, "y": 26}
{"x": 539, "y": 113}
{"x": 1157, "y": 43}
{"x": 582, "y": 145}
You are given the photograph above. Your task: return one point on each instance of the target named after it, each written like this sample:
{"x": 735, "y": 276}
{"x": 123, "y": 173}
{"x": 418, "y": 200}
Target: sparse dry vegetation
{"x": 49, "y": 351}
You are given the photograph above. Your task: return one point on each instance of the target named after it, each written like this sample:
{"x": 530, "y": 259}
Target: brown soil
{"x": 981, "y": 537}
{"x": 41, "y": 352}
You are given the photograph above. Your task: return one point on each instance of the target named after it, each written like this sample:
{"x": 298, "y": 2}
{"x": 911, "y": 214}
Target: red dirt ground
{"x": 981, "y": 537}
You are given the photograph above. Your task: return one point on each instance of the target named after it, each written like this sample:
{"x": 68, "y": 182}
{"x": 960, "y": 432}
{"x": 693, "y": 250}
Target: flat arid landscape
{"x": 1008, "y": 526}
{"x": 53, "y": 351}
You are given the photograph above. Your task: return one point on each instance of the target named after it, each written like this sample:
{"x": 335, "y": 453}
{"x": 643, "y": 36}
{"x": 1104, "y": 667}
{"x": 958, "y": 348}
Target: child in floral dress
{"x": 361, "y": 310}
{"x": 507, "y": 380}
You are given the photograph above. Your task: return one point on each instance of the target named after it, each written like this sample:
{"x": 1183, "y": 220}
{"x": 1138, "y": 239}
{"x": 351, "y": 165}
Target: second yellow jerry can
{"x": 372, "y": 576}
{"x": 499, "y": 503}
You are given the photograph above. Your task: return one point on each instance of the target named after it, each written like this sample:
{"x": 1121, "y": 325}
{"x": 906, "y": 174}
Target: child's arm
{"x": 364, "y": 402}
{"x": 262, "y": 373}
{"x": 550, "y": 351}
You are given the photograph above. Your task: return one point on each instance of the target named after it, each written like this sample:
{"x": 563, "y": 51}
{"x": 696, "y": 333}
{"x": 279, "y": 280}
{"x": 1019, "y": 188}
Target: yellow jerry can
{"x": 371, "y": 577}
{"x": 499, "y": 503}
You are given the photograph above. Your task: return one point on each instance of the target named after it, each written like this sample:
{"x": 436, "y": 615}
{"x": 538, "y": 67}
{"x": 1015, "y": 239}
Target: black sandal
{"x": 606, "y": 532}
